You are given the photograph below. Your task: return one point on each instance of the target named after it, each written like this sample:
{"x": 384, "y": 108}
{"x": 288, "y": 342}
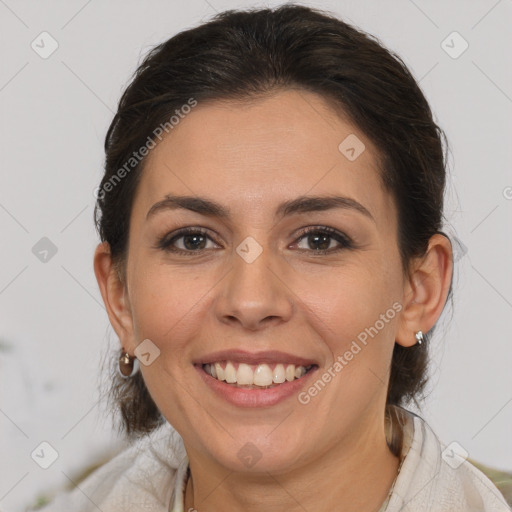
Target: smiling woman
{"x": 276, "y": 265}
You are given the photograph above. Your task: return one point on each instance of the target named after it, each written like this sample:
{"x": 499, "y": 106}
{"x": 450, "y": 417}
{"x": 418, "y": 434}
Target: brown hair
{"x": 240, "y": 55}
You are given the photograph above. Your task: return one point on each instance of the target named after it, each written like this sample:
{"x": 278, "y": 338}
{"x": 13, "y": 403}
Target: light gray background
{"x": 54, "y": 114}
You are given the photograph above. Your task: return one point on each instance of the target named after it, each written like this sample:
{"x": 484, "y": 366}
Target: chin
{"x": 257, "y": 450}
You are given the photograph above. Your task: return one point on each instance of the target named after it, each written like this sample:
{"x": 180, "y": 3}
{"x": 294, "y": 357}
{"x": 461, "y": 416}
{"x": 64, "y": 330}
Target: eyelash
{"x": 165, "y": 243}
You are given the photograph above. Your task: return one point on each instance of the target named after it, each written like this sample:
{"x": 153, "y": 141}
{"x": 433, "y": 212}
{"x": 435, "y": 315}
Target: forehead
{"x": 254, "y": 154}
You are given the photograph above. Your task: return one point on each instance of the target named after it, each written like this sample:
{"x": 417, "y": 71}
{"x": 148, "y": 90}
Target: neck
{"x": 352, "y": 476}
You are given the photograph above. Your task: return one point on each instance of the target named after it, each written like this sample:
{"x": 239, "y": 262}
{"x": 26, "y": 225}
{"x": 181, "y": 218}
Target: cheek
{"x": 165, "y": 305}
{"x": 350, "y": 298}
{"x": 355, "y": 313}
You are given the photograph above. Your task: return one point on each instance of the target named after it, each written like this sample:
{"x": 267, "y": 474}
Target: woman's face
{"x": 253, "y": 288}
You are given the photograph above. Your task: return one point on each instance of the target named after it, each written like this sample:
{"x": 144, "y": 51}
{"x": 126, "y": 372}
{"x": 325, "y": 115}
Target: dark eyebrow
{"x": 303, "y": 204}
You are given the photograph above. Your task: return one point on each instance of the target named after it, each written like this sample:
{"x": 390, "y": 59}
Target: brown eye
{"x": 193, "y": 242}
{"x": 323, "y": 240}
{"x": 317, "y": 240}
{"x": 187, "y": 240}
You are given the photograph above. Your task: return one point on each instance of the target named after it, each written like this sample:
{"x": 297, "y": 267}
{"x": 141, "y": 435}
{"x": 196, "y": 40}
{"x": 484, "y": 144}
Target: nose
{"x": 254, "y": 295}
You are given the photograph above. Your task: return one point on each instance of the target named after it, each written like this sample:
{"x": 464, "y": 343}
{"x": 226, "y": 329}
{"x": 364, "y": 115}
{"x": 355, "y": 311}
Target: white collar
{"x": 177, "y": 503}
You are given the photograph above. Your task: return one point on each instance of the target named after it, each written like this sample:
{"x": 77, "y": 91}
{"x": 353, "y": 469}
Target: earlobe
{"x": 113, "y": 292}
{"x": 426, "y": 291}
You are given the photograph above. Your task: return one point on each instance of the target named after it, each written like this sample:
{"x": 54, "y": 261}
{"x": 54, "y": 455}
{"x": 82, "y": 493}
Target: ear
{"x": 426, "y": 290}
{"x": 115, "y": 296}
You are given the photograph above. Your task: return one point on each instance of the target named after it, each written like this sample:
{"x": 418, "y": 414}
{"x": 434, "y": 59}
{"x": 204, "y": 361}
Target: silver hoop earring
{"x": 419, "y": 337}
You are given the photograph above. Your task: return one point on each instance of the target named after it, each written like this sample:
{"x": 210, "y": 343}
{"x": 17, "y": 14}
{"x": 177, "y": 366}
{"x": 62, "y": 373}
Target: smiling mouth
{"x": 255, "y": 376}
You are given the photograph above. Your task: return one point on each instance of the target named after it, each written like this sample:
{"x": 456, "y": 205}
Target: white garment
{"x": 152, "y": 475}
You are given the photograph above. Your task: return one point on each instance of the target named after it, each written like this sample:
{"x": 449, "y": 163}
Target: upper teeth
{"x": 259, "y": 375}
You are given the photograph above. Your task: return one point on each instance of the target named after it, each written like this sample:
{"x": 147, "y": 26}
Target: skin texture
{"x": 330, "y": 454}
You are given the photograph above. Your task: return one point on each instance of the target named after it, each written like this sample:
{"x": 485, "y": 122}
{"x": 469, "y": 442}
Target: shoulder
{"x": 139, "y": 478}
{"x": 436, "y": 478}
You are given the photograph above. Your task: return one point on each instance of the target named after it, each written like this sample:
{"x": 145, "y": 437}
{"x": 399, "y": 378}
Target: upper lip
{"x": 242, "y": 356}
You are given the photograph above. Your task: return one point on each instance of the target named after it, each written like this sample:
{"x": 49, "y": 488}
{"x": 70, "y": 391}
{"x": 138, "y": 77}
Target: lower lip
{"x": 243, "y": 397}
